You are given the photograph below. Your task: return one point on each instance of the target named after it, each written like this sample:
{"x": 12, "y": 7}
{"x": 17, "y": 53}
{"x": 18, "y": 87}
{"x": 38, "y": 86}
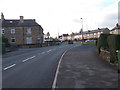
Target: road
{"x": 33, "y": 67}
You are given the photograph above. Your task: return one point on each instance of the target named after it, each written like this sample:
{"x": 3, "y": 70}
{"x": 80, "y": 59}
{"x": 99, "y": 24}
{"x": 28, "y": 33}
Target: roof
{"x": 17, "y": 23}
{"x": 65, "y": 35}
{"x": 116, "y": 27}
{"x": 93, "y": 31}
{"x": 98, "y": 30}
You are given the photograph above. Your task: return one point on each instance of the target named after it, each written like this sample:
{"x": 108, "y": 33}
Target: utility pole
{"x": 82, "y": 29}
{"x": 58, "y": 33}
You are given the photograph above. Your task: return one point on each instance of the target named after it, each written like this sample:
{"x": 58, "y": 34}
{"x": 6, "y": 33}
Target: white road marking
{"x": 42, "y": 52}
{"x": 48, "y": 50}
{"x": 55, "y": 79}
{"x": 54, "y": 49}
{"x": 28, "y": 58}
{"x": 57, "y": 71}
{"x": 9, "y": 66}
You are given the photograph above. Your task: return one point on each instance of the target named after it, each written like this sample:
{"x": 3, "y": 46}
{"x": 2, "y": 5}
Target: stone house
{"x": 115, "y": 30}
{"x": 96, "y": 33}
{"x": 90, "y": 34}
{"x": 22, "y": 31}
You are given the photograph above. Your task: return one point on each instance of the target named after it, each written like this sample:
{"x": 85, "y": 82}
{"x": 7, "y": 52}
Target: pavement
{"x": 81, "y": 67}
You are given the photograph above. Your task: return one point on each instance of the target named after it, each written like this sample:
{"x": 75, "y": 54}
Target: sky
{"x": 64, "y": 16}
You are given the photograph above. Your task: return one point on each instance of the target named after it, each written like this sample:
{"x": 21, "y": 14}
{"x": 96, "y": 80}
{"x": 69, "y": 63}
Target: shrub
{"x": 114, "y": 44}
{"x": 5, "y": 40}
{"x": 3, "y": 48}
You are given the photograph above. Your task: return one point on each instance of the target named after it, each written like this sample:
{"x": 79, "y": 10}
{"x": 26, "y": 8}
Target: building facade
{"x": 115, "y": 30}
{"x": 90, "y": 34}
{"x": 22, "y": 31}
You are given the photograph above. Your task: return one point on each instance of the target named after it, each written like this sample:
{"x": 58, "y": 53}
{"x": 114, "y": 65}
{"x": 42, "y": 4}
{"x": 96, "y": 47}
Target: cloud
{"x": 63, "y": 15}
{"x": 110, "y": 20}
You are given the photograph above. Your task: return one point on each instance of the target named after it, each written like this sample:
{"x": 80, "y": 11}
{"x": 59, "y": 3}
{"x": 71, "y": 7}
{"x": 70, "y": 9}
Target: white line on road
{"x": 57, "y": 71}
{"x": 55, "y": 79}
{"x": 48, "y": 50}
{"x": 42, "y": 52}
{"x": 28, "y": 58}
{"x": 9, "y": 66}
{"x": 54, "y": 49}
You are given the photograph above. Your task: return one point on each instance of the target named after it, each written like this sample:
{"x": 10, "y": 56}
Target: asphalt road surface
{"x": 33, "y": 67}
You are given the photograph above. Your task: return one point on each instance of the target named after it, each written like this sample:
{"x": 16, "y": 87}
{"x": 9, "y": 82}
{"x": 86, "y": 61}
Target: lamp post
{"x": 82, "y": 29}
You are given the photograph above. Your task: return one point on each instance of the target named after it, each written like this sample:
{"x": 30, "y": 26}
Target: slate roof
{"x": 17, "y": 23}
{"x": 97, "y": 30}
{"x": 117, "y": 27}
{"x": 92, "y": 31}
{"x": 65, "y": 35}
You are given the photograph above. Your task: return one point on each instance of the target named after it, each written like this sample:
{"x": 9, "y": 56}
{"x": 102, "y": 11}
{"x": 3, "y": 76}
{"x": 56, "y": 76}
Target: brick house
{"x": 22, "y": 31}
{"x": 115, "y": 30}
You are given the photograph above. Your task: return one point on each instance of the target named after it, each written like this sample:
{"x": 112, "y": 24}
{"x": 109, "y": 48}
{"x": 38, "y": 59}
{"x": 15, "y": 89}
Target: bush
{"x": 5, "y": 40}
{"x": 114, "y": 44}
{"x": 3, "y": 48}
{"x": 102, "y": 42}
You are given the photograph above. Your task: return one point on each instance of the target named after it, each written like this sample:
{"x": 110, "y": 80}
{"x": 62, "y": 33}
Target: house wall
{"x": 21, "y": 34}
{"x": 116, "y": 31}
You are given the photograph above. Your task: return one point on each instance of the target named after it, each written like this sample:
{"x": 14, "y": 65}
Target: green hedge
{"x": 114, "y": 44}
{"x": 102, "y": 42}
{"x": 3, "y": 48}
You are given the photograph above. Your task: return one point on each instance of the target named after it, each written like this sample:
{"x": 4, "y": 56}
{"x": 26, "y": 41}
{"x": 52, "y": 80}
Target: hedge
{"x": 114, "y": 44}
{"x": 102, "y": 42}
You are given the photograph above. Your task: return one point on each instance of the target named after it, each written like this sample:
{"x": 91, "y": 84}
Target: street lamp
{"x": 82, "y": 29}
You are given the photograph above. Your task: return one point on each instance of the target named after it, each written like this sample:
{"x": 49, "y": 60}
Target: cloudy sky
{"x": 63, "y": 16}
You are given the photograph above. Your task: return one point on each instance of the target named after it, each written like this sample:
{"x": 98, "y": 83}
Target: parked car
{"x": 70, "y": 41}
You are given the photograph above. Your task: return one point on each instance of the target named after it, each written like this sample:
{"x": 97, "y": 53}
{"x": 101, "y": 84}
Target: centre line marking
{"x": 9, "y": 66}
{"x": 28, "y": 58}
{"x": 48, "y": 50}
{"x": 42, "y": 52}
{"x": 54, "y": 49}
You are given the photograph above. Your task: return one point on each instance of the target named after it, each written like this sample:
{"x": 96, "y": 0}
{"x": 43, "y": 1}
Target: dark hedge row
{"x": 109, "y": 42}
{"x": 114, "y": 44}
{"x": 102, "y": 42}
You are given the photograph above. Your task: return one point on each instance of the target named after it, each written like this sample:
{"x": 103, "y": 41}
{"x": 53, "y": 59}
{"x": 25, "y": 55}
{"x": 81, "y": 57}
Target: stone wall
{"x": 105, "y": 54}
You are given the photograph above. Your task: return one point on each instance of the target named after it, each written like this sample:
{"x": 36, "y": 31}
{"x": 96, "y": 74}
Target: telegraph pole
{"x": 82, "y": 29}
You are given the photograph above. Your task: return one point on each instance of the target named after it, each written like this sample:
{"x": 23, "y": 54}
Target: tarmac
{"x": 81, "y": 67}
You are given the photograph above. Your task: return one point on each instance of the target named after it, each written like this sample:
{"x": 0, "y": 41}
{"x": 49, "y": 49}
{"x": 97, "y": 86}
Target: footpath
{"x": 81, "y": 67}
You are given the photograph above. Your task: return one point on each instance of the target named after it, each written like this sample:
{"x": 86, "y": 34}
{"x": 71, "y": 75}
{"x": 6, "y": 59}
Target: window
{"x": 29, "y": 40}
{"x": 12, "y": 39}
{"x": 12, "y": 31}
{"x": 29, "y": 31}
{"x": 2, "y": 31}
{"x": 11, "y": 21}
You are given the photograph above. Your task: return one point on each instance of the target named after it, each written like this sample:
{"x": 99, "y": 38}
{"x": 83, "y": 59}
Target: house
{"x": 64, "y": 37}
{"x": 22, "y": 31}
{"x": 90, "y": 34}
{"x": 115, "y": 30}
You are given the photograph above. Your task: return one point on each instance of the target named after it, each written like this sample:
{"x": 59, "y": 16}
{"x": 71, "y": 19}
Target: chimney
{"x": 21, "y": 19}
{"x": 117, "y": 25}
{"x": 98, "y": 28}
{"x": 2, "y": 17}
{"x": 34, "y": 20}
